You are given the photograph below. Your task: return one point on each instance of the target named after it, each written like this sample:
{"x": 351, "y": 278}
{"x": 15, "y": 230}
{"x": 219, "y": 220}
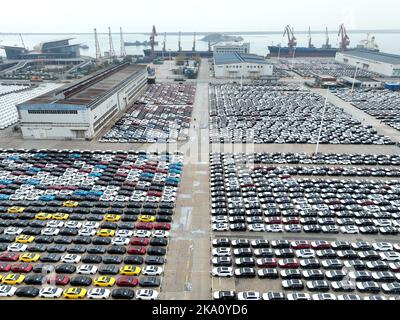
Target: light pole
{"x": 279, "y": 51}
{"x": 170, "y": 60}
{"x": 294, "y": 53}
{"x": 322, "y": 121}
{"x": 241, "y": 79}
{"x": 354, "y": 79}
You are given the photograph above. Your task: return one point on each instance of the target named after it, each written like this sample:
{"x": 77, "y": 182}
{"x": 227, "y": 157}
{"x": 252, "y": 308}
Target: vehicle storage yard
{"x": 349, "y": 193}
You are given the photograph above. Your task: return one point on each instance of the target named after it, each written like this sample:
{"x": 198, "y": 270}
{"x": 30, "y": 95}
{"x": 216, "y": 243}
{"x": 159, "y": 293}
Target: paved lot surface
{"x": 188, "y": 268}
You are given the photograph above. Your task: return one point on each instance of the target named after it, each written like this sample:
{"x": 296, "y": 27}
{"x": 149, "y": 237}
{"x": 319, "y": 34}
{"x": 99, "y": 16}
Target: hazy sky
{"x": 198, "y": 15}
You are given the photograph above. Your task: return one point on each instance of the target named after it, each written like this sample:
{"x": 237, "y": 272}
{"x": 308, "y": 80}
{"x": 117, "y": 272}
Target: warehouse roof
{"x": 235, "y": 57}
{"x": 376, "y": 56}
{"x": 92, "y": 88}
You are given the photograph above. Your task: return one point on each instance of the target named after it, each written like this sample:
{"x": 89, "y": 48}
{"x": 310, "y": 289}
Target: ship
{"x": 326, "y": 51}
{"x": 175, "y": 53}
{"x": 139, "y": 43}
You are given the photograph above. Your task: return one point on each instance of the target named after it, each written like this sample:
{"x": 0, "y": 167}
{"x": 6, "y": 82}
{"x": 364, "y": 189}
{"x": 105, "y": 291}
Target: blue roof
{"x": 374, "y": 55}
{"x": 235, "y": 57}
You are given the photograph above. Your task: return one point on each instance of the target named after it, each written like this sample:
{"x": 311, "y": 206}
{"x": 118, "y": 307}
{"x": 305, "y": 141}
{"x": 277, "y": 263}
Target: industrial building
{"x": 80, "y": 110}
{"x": 58, "y": 49}
{"x": 360, "y": 82}
{"x": 230, "y": 48}
{"x": 381, "y": 63}
{"x": 236, "y": 65}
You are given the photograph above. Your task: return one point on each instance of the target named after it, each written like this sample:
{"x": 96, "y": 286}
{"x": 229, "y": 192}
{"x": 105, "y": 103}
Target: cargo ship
{"x": 174, "y": 53}
{"x": 326, "y": 51}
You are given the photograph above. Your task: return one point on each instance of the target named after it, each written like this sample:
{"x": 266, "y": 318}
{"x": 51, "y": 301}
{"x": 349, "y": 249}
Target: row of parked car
{"x": 318, "y": 266}
{"x": 256, "y": 199}
{"x": 381, "y": 104}
{"x": 261, "y": 114}
{"x": 169, "y": 94}
{"x": 101, "y": 219}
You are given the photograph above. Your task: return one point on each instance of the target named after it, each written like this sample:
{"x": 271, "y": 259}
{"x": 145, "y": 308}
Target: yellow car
{"x": 147, "y": 219}
{"x": 22, "y": 238}
{"x": 29, "y": 257}
{"x": 16, "y": 210}
{"x": 106, "y": 233}
{"x": 60, "y": 216}
{"x": 43, "y": 216}
{"x": 130, "y": 271}
{"x": 75, "y": 293}
{"x": 104, "y": 281}
{"x": 13, "y": 278}
{"x": 70, "y": 204}
{"x": 112, "y": 217}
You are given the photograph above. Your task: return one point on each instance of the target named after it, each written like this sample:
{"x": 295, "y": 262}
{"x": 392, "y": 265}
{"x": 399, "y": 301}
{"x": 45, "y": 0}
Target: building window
{"x": 52, "y": 111}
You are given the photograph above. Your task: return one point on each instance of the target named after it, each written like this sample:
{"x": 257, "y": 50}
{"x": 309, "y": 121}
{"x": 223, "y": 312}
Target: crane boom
{"x": 152, "y": 41}
{"x": 291, "y": 38}
{"x": 344, "y": 38}
{"x": 22, "y": 40}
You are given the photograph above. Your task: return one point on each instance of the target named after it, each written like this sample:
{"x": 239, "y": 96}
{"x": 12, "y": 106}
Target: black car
{"x": 43, "y": 268}
{"x": 160, "y": 242}
{"x": 69, "y": 232}
{"x": 50, "y": 258}
{"x": 126, "y": 226}
{"x": 154, "y": 260}
{"x": 112, "y": 260}
{"x": 134, "y": 260}
{"x": 96, "y": 250}
{"x": 82, "y": 240}
{"x": 76, "y": 250}
{"x": 92, "y": 259}
{"x": 81, "y": 281}
{"x": 65, "y": 268}
{"x": 156, "y": 251}
{"x": 32, "y": 231}
{"x": 35, "y": 279}
{"x": 57, "y": 249}
{"x": 123, "y": 294}
{"x": 27, "y": 292}
{"x": 108, "y": 270}
{"x": 7, "y": 238}
{"x": 149, "y": 282}
{"x": 163, "y": 218}
{"x": 268, "y": 273}
{"x": 37, "y": 248}
{"x": 101, "y": 241}
{"x": 44, "y": 239}
{"x": 63, "y": 240}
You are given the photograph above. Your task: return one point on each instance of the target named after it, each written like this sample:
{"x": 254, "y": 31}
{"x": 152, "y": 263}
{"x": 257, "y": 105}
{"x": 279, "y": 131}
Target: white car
{"x": 349, "y": 229}
{"x": 223, "y": 272}
{"x": 324, "y": 296}
{"x": 87, "y": 232}
{"x": 349, "y": 297}
{"x": 249, "y": 295}
{"x": 119, "y": 241}
{"x": 382, "y": 246}
{"x": 55, "y": 224}
{"x": 160, "y": 234}
{"x": 13, "y": 231}
{"x": 124, "y": 233}
{"x": 87, "y": 269}
{"x": 256, "y": 227}
{"x": 50, "y": 231}
{"x": 305, "y": 253}
{"x": 390, "y": 256}
{"x": 91, "y": 225}
{"x": 73, "y": 225}
{"x": 219, "y": 219}
{"x": 152, "y": 271}
{"x": 146, "y": 294}
{"x": 298, "y": 296}
{"x": 142, "y": 233}
{"x": 71, "y": 258}
{"x": 50, "y": 292}
{"x": 98, "y": 293}
{"x": 220, "y": 227}
{"x": 7, "y": 291}
{"x": 17, "y": 247}
{"x": 275, "y": 228}
{"x": 221, "y": 252}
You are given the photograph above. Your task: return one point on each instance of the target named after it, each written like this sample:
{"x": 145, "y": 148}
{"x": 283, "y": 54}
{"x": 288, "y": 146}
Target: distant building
{"x": 230, "y": 48}
{"x": 378, "y": 62}
{"x": 80, "y": 110}
{"x": 236, "y": 65}
{"x": 361, "y": 82}
{"x": 58, "y": 49}
{"x": 393, "y": 86}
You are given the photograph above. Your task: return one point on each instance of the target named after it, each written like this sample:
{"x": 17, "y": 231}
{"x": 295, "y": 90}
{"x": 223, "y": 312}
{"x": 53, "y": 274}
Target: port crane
{"x": 123, "y": 50}
{"x": 179, "y": 42}
{"x": 98, "y": 51}
{"x": 344, "y": 38}
{"x": 153, "y": 36}
{"x": 194, "y": 42}
{"x": 22, "y": 40}
{"x": 310, "y": 45}
{"x": 327, "y": 45}
{"x": 291, "y": 38}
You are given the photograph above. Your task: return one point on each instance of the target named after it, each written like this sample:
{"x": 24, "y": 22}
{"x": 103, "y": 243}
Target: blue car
{"x": 80, "y": 193}
{"x": 47, "y": 198}
{"x": 6, "y": 181}
{"x": 4, "y": 197}
{"x": 33, "y": 182}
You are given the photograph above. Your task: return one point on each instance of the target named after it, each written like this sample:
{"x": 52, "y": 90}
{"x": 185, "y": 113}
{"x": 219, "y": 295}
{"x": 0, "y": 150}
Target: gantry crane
{"x": 153, "y": 36}
{"x": 291, "y": 38}
{"x": 310, "y": 45}
{"x": 344, "y": 38}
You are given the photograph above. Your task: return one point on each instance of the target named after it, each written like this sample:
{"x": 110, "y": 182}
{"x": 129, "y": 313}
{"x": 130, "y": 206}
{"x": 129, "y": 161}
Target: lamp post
{"x": 354, "y": 79}
{"x": 170, "y": 60}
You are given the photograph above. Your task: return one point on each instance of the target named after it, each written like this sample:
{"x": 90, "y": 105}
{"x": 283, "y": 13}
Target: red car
{"x": 289, "y": 264}
{"x": 127, "y": 282}
{"x": 154, "y": 193}
{"x": 9, "y": 257}
{"x": 140, "y": 242}
{"x": 144, "y": 226}
{"x": 321, "y": 245}
{"x": 273, "y": 220}
{"x": 291, "y": 220}
{"x": 137, "y": 250}
{"x": 267, "y": 263}
{"x": 162, "y": 226}
{"x": 301, "y": 244}
{"x": 58, "y": 280}
{"x": 22, "y": 268}
{"x": 5, "y": 267}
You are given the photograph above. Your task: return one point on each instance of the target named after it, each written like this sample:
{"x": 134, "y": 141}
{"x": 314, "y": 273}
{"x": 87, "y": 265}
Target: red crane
{"x": 291, "y": 38}
{"x": 344, "y": 38}
{"x": 152, "y": 41}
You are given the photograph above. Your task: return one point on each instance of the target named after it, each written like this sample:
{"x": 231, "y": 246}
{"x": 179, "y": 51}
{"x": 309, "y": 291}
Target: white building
{"x": 235, "y": 65}
{"x": 80, "y": 110}
{"x": 382, "y": 63}
{"x": 230, "y": 48}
